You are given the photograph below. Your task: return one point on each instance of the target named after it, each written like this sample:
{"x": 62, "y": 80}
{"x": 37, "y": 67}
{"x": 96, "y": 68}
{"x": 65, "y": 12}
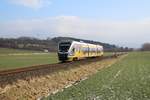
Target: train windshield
{"x": 64, "y": 47}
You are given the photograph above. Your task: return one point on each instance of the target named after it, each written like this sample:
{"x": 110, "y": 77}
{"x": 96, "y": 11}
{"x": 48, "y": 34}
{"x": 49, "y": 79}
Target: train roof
{"x": 85, "y": 43}
{"x": 81, "y": 42}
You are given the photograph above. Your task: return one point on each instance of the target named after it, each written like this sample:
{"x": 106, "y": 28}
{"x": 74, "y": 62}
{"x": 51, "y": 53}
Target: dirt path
{"x": 34, "y": 88}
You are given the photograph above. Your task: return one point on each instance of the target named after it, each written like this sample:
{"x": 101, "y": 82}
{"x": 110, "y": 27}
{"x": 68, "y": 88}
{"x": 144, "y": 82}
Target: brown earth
{"x": 36, "y": 87}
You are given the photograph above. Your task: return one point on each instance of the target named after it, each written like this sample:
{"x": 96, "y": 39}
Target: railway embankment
{"x": 33, "y": 84}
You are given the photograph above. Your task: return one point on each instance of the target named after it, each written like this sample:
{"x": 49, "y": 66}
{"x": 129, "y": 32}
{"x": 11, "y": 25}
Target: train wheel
{"x": 75, "y": 59}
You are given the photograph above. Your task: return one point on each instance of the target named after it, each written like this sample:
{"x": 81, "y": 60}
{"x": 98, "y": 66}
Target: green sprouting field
{"x": 10, "y": 51}
{"x": 128, "y": 79}
{"x": 13, "y": 58}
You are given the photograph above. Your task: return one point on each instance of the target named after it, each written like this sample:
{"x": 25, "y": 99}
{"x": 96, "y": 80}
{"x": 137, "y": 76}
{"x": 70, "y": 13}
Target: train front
{"x": 63, "y": 48}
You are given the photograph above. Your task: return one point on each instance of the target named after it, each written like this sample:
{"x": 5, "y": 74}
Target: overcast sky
{"x": 120, "y": 22}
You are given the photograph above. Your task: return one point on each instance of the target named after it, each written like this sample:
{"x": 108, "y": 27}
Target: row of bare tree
{"x": 50, "y": 44}
{"x": 146, "y": 47}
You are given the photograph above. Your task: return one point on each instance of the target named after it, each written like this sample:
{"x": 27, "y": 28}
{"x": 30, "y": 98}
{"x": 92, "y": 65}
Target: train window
{"x": 85, "y": 49}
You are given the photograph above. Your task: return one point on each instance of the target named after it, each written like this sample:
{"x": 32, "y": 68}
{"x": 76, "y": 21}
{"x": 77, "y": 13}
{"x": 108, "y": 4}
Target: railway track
{"x": 11, "y": 76}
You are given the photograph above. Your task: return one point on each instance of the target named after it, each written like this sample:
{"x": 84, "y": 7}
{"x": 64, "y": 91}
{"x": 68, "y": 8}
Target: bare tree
{"x": 146, "y": 47}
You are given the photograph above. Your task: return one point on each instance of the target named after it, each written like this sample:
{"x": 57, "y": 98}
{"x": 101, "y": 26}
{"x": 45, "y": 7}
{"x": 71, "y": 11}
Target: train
{"x": 74, "y": 50}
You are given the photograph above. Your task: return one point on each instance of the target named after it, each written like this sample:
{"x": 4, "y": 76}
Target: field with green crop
{"x": 10, "y": 51}
{"x": 128, "y": 79}
{"x": 13, "y": 58}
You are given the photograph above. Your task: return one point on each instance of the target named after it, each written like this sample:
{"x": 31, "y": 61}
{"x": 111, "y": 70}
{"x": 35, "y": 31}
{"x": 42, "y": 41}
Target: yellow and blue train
{"x": 73, "y": 50}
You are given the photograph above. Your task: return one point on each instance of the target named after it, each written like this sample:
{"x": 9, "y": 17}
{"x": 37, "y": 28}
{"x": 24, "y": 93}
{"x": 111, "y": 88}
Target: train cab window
{"x": 64, "y": 47}
{"x": 73, "y": 50}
